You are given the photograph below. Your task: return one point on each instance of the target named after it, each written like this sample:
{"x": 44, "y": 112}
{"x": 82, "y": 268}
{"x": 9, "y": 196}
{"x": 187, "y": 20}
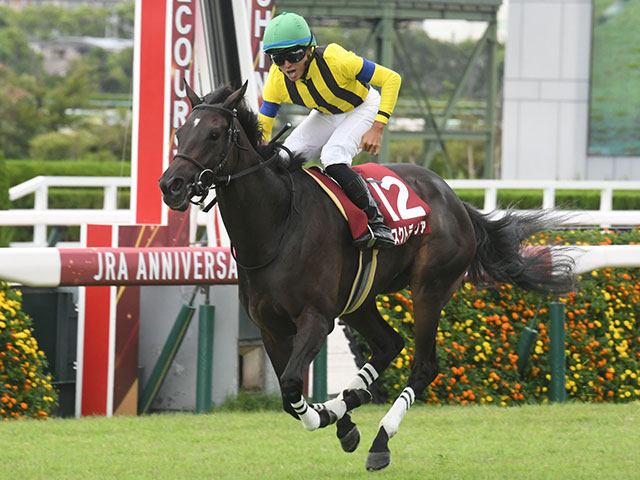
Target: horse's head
{"x": 205, "y": 143}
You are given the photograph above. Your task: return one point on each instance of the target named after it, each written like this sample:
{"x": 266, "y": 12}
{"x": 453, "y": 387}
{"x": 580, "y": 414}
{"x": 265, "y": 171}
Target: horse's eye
{"x": 215, "y": 135}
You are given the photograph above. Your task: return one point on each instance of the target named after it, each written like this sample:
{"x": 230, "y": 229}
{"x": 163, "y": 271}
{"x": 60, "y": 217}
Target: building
{"x": 59, "y": 53}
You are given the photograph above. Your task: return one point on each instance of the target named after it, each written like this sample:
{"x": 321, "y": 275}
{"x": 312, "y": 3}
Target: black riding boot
{"x": 379, "y": 235}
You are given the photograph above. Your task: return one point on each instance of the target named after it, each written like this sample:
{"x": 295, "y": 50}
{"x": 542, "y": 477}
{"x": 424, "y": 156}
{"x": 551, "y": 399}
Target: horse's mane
{"x": 252, "y": 128}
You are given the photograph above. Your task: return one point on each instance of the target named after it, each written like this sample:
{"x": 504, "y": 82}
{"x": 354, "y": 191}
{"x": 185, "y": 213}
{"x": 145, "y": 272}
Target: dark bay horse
{"x": 297, "y": 262}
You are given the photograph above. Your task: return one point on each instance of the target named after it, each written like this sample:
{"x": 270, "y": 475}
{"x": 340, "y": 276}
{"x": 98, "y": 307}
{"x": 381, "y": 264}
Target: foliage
{"x": 71, "y": 93}
{"x": 480, "y": 328}
{"x": 20, "y": 117}
{"x": 5, "y": 203}
{"x": 112, "y": 72}
{"x": 33, "y": 102}
{"x": 251, "y": 401}
{"x": 48, "y": 21}
{"x": 25, "y": 390}
{"x": 15, "y": 51}
{"x": 19, "y": 171}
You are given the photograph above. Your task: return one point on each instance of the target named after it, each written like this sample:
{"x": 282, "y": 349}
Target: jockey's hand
{"x": 372, "y": 139}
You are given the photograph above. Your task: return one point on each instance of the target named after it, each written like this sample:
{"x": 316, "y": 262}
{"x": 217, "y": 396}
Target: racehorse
{"x": 297, "y": 262}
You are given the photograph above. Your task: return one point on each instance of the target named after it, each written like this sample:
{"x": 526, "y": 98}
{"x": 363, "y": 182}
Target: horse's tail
{"x": 499, "y": 256}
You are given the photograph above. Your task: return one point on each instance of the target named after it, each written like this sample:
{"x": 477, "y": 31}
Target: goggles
{"x": 291, "y": 56}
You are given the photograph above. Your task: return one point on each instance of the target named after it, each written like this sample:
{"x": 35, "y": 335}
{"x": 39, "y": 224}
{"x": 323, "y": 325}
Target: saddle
{"x": 404, "y": 212}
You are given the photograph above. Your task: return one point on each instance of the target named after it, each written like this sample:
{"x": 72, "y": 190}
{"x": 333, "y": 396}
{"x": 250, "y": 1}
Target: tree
{"x": 20, "y": 118}
{"x": 72, "y": 93}
{"x": 111, "y": 71}
{"x": 16, "y": 52}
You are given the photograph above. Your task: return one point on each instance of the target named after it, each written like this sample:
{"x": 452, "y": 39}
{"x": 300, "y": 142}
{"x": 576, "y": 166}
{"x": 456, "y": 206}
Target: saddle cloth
{"x": 404, "y": 212}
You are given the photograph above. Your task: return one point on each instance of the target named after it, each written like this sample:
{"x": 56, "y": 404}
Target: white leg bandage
{"x": 391, "y": 421}
{"x": 309, "y": 417}
{"x": 336, "y": 406}
{"x": 364, "y": 378}
{"x": 362, "y": 381}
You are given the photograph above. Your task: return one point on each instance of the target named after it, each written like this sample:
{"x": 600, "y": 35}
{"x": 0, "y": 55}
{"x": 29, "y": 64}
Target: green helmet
{"x": 285, "y": 31}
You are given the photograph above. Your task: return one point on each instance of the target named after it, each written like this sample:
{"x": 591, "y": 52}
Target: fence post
{"x": 523, "y": 349}
{"x": 557, "y": 387}
{"x": 167, "y": 355}
{"x": 320, "y": 376}
{"x": 205, "y": 357}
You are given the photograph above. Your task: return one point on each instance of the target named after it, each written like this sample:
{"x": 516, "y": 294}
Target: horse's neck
{"x": 256, "y": 206}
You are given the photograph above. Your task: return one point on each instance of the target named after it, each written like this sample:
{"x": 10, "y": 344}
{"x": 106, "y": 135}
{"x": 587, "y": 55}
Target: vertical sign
{"x": 261, "y": 13}
{"x": 108, "y": 320}
{"x": 182, "y": 46}
{"x": 148, "y": 111}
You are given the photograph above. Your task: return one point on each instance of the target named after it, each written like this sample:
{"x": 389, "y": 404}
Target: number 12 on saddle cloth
{"x": 404, "y": 212}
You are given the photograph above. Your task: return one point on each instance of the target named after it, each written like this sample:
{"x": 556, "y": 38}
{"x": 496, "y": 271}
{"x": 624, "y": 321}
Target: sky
{"x": 460, "y": 30}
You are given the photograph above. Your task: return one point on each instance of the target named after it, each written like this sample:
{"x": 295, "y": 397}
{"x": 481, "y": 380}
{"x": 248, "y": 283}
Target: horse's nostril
{"x": 176, "y": 185}
{"x": 173, "y": 186}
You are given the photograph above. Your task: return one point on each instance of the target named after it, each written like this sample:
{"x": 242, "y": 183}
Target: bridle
{"x": 207, "y": 179}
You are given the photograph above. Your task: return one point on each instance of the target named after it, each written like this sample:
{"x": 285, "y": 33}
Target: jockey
{"x": 348, "y": 115}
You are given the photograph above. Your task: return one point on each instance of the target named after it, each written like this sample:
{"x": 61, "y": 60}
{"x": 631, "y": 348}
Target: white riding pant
{"x": 336, "y": 136}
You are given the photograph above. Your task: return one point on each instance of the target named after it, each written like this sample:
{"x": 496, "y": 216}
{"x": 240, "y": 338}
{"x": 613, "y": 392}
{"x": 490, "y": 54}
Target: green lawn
{"x": 569, "y": 441}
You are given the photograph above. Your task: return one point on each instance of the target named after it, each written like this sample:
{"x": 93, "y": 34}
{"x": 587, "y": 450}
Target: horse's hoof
{"x": 378, "y": 460}
{"x": 356, "y": 397}
{"x": 327, "y": 417}
{"x": 351, "y": 440}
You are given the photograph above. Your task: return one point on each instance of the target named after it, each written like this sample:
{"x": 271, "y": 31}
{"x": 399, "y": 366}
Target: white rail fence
{"x": 40, "y": 216}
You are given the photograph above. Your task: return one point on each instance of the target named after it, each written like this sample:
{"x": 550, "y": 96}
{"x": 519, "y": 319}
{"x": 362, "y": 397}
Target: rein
{"x": 207, "y": 179}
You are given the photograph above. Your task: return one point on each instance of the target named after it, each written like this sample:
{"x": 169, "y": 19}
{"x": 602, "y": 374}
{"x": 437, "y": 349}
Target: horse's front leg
{"x": 312, "y": 331}
{"x": 279, "y": 348}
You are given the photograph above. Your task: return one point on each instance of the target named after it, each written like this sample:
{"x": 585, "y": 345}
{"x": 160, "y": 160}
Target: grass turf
{"x": 534, "y": 441}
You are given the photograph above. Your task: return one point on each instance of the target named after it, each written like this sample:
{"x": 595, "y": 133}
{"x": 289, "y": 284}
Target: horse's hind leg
{"x": 428, "y": 301}
{"x": 385, "y": 344}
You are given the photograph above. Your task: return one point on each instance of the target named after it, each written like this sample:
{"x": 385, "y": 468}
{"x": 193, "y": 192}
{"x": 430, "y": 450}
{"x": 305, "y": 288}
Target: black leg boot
{"x": 356, "y": 189}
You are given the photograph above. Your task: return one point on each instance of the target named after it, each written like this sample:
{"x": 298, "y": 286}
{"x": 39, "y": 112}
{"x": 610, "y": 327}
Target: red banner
{"x": 147, "y": 266}
{"x": 261, "y": 12}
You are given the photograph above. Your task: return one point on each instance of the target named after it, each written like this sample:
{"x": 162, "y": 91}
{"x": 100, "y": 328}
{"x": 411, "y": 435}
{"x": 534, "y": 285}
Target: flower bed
{"x": 480, "y": 329}
{"x": 25, "y": 390}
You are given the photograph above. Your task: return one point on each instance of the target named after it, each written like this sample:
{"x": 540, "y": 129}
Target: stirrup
{"x": 385, "y": 241}
{"x": 366, "y": 240}
{"x": 371, "y": 240}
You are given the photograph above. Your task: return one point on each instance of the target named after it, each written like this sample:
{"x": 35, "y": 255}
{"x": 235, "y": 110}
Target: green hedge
{"x": 480, "y": 329}
{"x": 568, "y": 199}
{"x": 19, "y": 171}
{"x": 76, "y": 198}
{"x": 5, "y": 232}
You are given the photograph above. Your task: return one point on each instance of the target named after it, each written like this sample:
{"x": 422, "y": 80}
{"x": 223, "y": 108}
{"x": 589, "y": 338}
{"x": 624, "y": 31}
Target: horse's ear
{"x": 234, "y": 99}
{"x": 191, "y": 95}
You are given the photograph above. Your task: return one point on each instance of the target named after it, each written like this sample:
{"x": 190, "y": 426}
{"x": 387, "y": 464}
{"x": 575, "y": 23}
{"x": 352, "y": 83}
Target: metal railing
{"x": 40, "y": 216}
{"x": 604, "y": 216}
